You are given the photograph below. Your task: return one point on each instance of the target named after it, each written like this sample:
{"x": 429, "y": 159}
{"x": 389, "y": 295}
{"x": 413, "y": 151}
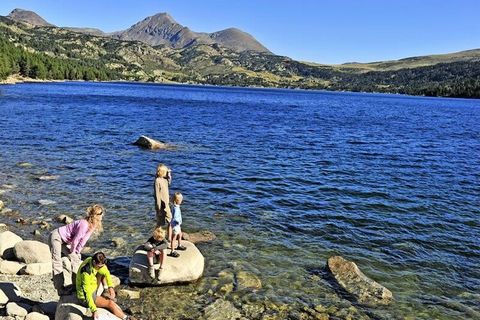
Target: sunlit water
{"x": 284, "y": 178}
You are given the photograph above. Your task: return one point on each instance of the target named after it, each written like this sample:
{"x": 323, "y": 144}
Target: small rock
{"x": 36, "y": 232}
{"x": 45, "y": 202}
{"x": 118, "y": 242}
{"x": 3, "y": 227}
{"x": 197, "y": 237}
{"x": 15, "y": 309}
{"x": 24, "y": 164}
{"x": 246, "y": 280}
{"x": 350, "y": 278}
{"x": 129, "y": 294}
{"x": 152, "y": 144}
{"x": 6, "y": 211}
{"x": 63, "y": 218}
{"x": 38, "y": 268}
{"x": 21, "y": 221}
{"x": 47, "y": 178}
{"x": 10, "y": 267}
{"x": 36, "y": 316}
{"x": 221, "y": 310}
{"x": 1, "y": 204}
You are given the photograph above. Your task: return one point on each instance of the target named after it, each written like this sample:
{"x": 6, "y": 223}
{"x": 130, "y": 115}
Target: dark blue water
{"x": 284, "y": 178}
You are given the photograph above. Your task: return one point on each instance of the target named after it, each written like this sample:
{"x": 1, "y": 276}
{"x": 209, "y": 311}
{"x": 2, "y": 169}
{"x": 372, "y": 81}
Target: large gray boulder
{"x": 152, "y": 144}
{"x": 32, "y": 251}
{"x": 350, "y": 278}
{"x": 68, "y": 308}
{"x": 8, "y": 240}
{"x": 186, "y": 268}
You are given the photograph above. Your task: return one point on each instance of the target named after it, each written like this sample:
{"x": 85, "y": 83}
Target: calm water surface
{"x": 284, "y": 178}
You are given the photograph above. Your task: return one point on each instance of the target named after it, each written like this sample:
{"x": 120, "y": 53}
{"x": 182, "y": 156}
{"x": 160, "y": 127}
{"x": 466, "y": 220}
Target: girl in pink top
{"x": 69, "y": 240}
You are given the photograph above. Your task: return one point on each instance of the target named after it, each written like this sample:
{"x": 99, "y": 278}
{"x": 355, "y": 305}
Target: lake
{"x": 284, "y": 178}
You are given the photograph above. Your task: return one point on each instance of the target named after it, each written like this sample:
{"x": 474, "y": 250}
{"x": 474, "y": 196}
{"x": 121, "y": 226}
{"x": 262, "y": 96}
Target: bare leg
{"x": 102, "y": 302}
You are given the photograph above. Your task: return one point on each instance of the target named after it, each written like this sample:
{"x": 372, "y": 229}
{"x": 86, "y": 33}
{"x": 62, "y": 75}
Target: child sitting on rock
{"x": 176, "y": 225}
{"x": 155, "y": 246}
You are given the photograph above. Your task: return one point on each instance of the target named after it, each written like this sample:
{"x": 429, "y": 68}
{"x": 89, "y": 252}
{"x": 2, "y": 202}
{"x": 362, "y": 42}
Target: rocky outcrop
{"x": 186, "y": 268}
{"x": 152, "y": 144}
{"x": 350, "y": 278}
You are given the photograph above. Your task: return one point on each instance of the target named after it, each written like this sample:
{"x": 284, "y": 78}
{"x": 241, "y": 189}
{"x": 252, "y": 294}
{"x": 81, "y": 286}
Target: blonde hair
{"x": 176, "y": 197}
{"x": 162, "y": 170}
{"x": 94, "y": 217}
{"x": 158, "y": 233}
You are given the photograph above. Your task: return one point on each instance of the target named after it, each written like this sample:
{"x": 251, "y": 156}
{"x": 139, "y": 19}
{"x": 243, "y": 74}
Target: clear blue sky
{"x": 334, "y": 31}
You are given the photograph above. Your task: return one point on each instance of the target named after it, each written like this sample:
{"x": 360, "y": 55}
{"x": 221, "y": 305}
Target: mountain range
{"x": 159, "y": 49}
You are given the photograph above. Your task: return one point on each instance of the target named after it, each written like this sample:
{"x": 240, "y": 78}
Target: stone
{"x": 15, "y": 309}
{"x": 1, "y": 204}
{"x": 118, "y": 242}
{"x": 24, "y": 164}
{"x": 36, "y": 316}
{"x": 47, "y": 178}
{"x": 9, "y": 292}
{"x": 221, "y": 310}
{"x": 3, "y": 227}
{"x": 63, "y": 218}
{"x": 31, "y": 251}
{"x": 46, "y": 202}
{"x": 6, "y": 211}
{"x": 350, "y": 278}
{"x": 69, "y": 309}
{"x": 37, "y": 269}
{"x": 129, "y": 294}
{"x": 115, "y": 280}
{"x": 186, "y": 268}
{"x": 247, "y": 281}
{"x": 10, "y": 267}
{"x": 152, "y": 144}
{"x": 8, "y": 240}
{"x": 198, "y": 237}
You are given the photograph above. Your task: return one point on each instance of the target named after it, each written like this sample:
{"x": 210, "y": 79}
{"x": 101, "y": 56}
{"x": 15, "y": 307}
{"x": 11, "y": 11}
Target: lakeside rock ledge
{"x": 152, "y": 144}
{"x": 350, "y": 278}
{"x": 186, "y": 268}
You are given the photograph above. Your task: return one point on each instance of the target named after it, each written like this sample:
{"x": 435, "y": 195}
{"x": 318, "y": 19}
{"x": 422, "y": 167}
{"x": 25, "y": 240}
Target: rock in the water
{"x": 186, "y": 268}
{"x": 8, "y": 240}
{"x": 246, "y": 280}
{"x": 350, "y": 278}
{"x": 222, "y": 310}
{"x": 3, "y": 228}
{"x": 197, "y": 237}
{"x": 10, "y": 267}
{"x": 152, "y": 144}
{"x": 24, "y": 164}
{"x": 63, "y": 218}
{"x": 1, "y": 204}
{"x": 47, "y": 178}
{"x": 129, "y": 294}
{"x": 31, "y": 251}
{"x": 46, "y": 202}
{"x": 9, "y": 292}
{"x": 118, "y": 242}
{"x": 69, "y": 309}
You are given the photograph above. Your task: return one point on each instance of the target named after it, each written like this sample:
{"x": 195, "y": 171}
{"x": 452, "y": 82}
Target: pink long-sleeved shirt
{"x": 76, "y": 234}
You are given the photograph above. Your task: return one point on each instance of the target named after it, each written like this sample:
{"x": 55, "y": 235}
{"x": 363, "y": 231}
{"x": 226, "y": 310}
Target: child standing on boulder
{"x": 176, "y": 225}
{"x": 155, "y": 246}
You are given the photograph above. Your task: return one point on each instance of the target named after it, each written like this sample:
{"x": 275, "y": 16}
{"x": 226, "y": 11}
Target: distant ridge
{"x": 29, "y": 17}
{"x": 162, "y": 29}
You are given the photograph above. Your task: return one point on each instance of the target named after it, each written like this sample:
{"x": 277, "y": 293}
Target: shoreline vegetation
{"x": 55, "y": 54}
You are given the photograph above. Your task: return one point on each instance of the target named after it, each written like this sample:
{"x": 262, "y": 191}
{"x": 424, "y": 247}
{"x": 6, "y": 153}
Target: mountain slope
{"x": 29, "y": 17}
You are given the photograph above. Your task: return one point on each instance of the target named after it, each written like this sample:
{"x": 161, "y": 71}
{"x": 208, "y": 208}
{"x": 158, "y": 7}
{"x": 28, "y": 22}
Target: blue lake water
{"x": 284, "y": 178}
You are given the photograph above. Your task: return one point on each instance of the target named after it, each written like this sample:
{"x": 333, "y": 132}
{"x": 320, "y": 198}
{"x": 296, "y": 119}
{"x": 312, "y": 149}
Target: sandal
{"x": 181, "y": 248}
{"x": 174, "y": 254}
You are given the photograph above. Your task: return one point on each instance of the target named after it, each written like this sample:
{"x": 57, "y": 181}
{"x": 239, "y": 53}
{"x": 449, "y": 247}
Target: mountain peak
{"x": 162, "y": 18}
{"x": 30, "y": 17}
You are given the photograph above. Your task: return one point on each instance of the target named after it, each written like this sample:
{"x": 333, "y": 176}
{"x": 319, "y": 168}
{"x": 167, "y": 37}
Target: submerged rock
{"x": 47, "y": 178}
{"x": 186, "y": 268}
{"x": 201, "y": 236}
{"x": 152, "y": 144}
{"x": 221, "y": 310}
{"x": 350, "y": 278}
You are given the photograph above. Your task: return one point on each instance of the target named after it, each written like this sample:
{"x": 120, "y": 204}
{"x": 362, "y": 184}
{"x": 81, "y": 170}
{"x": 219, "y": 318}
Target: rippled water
{"x": 284, "y": 178}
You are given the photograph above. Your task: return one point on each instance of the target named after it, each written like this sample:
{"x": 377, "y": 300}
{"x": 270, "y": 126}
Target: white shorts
{"x": 176, "y": 229}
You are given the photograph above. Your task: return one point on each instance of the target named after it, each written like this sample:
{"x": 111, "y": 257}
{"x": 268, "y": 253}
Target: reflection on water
{"x": 285, "y": 179}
